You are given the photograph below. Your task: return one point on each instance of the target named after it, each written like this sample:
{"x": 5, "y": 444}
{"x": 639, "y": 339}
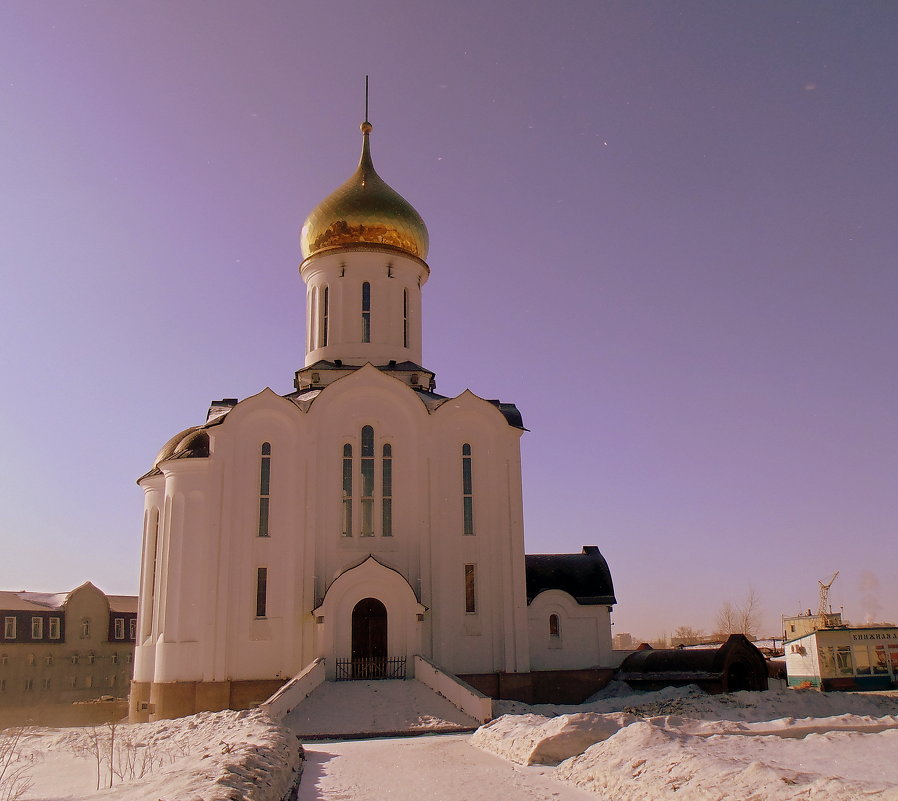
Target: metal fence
{"x": 373, "y": 668}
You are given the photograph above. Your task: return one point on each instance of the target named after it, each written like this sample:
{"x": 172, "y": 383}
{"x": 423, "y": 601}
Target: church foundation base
{"x": 177, "y": 699}
{"x": 541, "y": 686}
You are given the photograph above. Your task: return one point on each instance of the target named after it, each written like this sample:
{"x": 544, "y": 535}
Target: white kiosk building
{"x": 363, "y": 518}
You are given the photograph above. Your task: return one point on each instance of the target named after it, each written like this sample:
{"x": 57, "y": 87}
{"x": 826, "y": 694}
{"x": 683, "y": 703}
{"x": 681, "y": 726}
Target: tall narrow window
{"x": 312, "y": 316}
{"x": 467, "y": 489}
{"x": 54, "y": 628}
{"x": 264, "y": 488}
{"x": 366, "y": 312}
{"x": 37, "y": 628}
{"x": 367, "y": 494}
{"x": 325, "y": 316}
{"x": 347, "y": 490}
{"x": 470, "y": 589}
{"x": 9, "y": 628}
{"x": 387, "y": 491}
{"x": 554, "y": 626}
{"x": 261, "y": 591}
{"x": 404, "y": 318}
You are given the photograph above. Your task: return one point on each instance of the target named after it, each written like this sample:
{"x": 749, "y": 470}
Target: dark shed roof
{"x": 585, "y": 575}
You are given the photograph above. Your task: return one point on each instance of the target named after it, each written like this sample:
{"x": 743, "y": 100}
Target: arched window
{"x": 467, "y": 489}
{"x": 325, "y": 316}
{"x": 366, "y": 312}
{"x": 404, "y": 318}
{"x": 387, "y": 492}
{"x": 367, "y": 493}
{"x": 85, "y": 628}
{"x": 347, "y": 490}
{"x": 554, "y": 626}
{"x": 264, "y": 488}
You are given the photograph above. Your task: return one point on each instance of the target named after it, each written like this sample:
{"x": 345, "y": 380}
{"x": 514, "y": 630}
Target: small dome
{"x": 364, "y": 211}
{"x": 191, "y": 443}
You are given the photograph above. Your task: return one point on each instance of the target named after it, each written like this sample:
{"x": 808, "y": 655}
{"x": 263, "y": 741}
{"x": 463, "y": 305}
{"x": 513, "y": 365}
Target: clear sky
{"x": 666, "y": 230}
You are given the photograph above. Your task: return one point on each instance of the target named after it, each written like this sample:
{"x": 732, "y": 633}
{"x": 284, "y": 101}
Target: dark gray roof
{"x": 585, "y": 576}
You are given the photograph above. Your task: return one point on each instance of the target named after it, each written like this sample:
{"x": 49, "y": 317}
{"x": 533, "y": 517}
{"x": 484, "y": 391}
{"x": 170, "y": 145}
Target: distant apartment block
{"x": 59, "y": 648}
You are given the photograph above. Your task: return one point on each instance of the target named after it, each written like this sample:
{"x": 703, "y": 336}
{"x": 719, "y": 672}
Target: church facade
{"x": 363, "y": 518}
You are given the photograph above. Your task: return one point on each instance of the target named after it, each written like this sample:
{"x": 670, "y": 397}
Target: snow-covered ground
{"x": 673, "y": 744}
{"x": 681, "y": 743}
{"x": 212, "y": 756}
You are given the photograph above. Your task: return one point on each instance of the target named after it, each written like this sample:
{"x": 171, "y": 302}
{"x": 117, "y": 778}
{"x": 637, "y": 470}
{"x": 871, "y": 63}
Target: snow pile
{"x": 211, "y": 756}
{"x": 774, "y": 745}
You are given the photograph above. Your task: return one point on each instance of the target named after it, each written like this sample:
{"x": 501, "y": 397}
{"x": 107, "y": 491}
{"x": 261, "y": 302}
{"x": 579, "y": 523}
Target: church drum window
{"x": 387, "y": 492}
{"x": 367, "y": 493}
{"x": 404, "y": 318}
{"x": 467, "y": 490}
{"x": 264, "y": 489}
{"x": 261, "y": 591}
{"x": 366, "y": 312}
{"x": 347, "y": 490}
{"x": 325, "y": 316}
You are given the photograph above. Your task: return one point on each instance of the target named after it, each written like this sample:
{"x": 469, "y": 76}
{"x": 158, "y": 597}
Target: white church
{"x": 362, "y": 519}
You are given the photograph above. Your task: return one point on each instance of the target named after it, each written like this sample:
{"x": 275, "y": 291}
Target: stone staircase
{"x": 356, "y": 709}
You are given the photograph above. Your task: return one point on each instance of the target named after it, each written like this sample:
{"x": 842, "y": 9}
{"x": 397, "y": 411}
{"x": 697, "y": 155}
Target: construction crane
{"x": 824, "y": 595}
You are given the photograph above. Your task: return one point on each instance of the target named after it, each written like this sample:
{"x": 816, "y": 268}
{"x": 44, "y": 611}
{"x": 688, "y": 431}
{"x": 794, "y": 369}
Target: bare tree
{"x": 686, "y": 635}
{"x": 743, "y": 618}
{"x": 14, "y": 770}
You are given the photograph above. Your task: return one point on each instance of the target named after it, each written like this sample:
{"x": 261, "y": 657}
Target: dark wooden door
{"x": 369, "y": 637}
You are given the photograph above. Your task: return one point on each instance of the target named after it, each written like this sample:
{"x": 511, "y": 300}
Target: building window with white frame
{"x": 264, "y": 488}
{"x": 54, "y": 628}
{"x": 119, "y": 628}
{"x": 132, "y": 628}
{"x": 37, "y": 628}
{"x": 467, "y": 490}
{"x": 9, "y": 628}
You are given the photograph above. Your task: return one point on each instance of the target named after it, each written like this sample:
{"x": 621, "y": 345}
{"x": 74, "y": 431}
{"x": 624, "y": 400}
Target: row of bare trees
{"x": 742, "y": 617}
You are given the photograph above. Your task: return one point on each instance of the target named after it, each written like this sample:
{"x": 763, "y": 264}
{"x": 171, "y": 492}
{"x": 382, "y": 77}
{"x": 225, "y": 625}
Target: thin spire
{"x": 366, "y": 98}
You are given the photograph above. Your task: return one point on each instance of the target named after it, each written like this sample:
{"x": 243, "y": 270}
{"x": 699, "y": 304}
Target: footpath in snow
{"x": 443, "y": 767}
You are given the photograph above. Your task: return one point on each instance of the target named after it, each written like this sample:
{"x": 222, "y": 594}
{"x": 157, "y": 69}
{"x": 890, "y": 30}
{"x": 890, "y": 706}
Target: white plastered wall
{"x": 584, "y": 633}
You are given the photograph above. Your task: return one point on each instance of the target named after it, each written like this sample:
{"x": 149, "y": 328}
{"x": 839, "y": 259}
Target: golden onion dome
{"x": 364, "y": 211}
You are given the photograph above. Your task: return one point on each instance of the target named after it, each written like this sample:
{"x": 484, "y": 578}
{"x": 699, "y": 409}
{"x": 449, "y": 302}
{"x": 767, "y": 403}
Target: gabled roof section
{"x": 584, "y": 576}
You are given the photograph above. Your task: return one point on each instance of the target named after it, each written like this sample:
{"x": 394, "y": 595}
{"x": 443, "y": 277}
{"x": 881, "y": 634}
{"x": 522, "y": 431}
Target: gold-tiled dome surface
{"x": 364, "y": 210}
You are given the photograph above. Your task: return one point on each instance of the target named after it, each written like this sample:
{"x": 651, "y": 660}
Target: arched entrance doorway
{"x": 369, "y": 639}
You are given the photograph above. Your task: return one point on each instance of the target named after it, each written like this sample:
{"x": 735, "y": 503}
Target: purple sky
{"x": 667, "y": 231}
